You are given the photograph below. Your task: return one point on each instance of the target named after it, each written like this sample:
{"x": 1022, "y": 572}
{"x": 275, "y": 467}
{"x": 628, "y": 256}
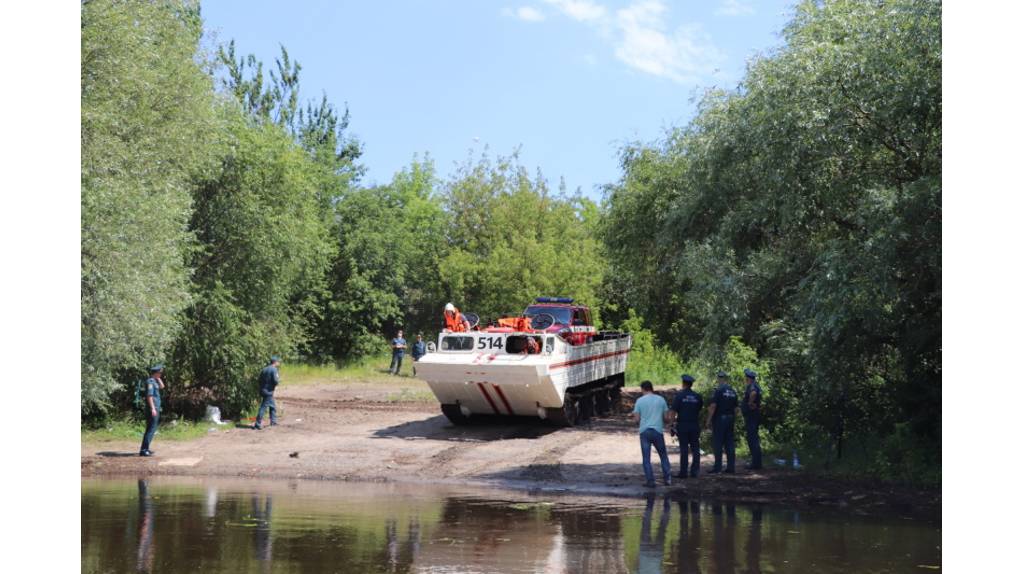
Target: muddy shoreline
{"x": 358, "y": 433}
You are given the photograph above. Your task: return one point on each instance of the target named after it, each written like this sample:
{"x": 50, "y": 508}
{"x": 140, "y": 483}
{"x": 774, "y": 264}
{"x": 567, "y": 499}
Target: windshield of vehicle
{"x": 457, "y": 343}
{"x": 562, "y": 315}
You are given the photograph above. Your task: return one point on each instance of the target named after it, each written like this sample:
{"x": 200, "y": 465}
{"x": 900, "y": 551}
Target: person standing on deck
{"x": 650, "y": 411}
{"x": 154, "y": 383}
{"x": 722, "y": 422}
{"x": 687, "y": 405}
{"x": 269, "y": 379}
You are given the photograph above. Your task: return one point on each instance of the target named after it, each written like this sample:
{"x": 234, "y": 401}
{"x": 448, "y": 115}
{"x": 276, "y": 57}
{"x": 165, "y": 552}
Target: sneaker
{"x": 273, "y": 424}
{"x": 257, "y": 427}
{"x": 146, "y": 453}
{"x": 668, "y": 482}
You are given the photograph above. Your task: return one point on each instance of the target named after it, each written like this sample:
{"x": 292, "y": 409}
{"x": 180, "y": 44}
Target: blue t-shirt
{"x": 651, "y": 409}
{"x": 419, "y": 348}
{"x": 398, "y": 341}
{"x": 687, "y": 404}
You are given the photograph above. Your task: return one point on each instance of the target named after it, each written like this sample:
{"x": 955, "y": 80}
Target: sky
{"x": 567, "y": 83}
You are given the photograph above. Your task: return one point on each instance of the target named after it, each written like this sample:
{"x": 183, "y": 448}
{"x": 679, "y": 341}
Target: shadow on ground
{"x": 483, "y": 429}
{"x": 112, "y": 454}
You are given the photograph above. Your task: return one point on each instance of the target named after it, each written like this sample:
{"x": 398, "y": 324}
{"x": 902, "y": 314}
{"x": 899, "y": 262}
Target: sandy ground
{"x": 352, "y": 432}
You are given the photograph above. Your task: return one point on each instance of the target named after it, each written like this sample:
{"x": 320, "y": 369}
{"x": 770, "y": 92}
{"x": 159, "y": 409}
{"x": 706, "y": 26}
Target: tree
{"x": 146, "y": 117}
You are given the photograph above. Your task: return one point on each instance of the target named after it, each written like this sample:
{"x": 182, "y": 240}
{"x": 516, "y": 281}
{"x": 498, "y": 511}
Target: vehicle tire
{"x": 454, "y": 414}
{"x": 602, "y": 400}
{"x": 586, "y": 407}
{"x": 566, "y": 416}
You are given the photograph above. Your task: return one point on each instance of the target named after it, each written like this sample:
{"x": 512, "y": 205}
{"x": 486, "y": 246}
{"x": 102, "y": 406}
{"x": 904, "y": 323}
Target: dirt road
{"x": 343, "y": 431}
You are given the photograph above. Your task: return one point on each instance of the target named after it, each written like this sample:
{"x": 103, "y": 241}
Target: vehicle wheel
{"x": 566, "y": 416}
{"x": 454, "y": 414}
{"x": 586, "y": 407}
{"x": 602, "y": 400}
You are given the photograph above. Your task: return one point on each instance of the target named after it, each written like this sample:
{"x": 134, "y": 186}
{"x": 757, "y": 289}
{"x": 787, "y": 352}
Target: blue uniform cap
{"x": 156, "y": 368}
{"x": 275, "y": 359}
{"x": 722, "y": 375}
{"x": 688, "y": 379}
{"x": 750, "y": 373}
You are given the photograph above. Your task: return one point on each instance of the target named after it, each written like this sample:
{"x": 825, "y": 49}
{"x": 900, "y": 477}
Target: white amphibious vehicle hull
{"x": 481, "y": 373}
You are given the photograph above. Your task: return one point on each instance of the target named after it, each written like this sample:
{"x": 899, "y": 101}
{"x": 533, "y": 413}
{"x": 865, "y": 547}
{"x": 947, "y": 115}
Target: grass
{"x": 412, "y": 396}
{"x": 132, "y": 429}
{"x": 367, "y": 370}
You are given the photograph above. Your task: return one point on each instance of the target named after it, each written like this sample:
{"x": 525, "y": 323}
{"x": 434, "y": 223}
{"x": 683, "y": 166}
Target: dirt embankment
{"x": 354, "y": 432}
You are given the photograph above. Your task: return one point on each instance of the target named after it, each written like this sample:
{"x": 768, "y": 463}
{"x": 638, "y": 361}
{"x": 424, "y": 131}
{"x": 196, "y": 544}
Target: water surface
{"x": 192, "y": 525}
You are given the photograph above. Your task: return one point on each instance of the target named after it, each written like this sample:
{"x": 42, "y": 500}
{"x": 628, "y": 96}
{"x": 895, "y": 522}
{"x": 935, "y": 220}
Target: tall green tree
{"x": 146, "y": 117}
{"x": 802, "y": 212}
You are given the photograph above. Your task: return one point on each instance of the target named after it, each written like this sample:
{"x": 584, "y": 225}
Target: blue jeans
{"x": 268, "y": 403}
{"x": 151, "y": 424}
{"x": 396, "y": 363}
{"x": 657, "y": 438}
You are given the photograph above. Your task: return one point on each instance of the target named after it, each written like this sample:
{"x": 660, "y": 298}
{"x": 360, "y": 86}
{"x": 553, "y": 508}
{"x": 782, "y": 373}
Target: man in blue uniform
{"x": 687, "y": 405}
{"x": 154, "y": 383}
{"x": 751, "y": 407}
{"x": 397, "y": 353}
{"x": 650, "y": 411}
{"x": 419, "y": 348}
{"x": 270, "y": 377}
{"x": 721, "y": 421}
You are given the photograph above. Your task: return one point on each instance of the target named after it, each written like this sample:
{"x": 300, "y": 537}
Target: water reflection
{"x": 167, "y": 526}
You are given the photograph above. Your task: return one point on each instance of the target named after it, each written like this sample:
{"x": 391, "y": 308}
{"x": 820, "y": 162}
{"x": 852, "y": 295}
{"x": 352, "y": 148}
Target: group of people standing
{"x": 652, "y": 412}
{"x": 398, "y": 344}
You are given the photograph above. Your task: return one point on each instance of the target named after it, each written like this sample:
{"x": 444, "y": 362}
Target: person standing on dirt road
{"x": 686, "y": 405}
{"x": 154, "y": 383}
{"x": 419, "y": 348}
{"x": 397, "y": 353}
{"x": 270, "y": 377}
{"x": 722, "y": 422}
{"x": 651, "y": 411}
{"x": 751, "y": 407}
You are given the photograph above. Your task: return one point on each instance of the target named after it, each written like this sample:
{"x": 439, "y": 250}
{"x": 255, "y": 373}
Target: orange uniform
{"x": 454, "y": 322}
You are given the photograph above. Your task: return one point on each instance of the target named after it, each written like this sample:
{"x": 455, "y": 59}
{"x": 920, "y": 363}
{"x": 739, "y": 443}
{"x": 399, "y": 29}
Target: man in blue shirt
{"x": 722, "y": 421}
{"x": 650, "y": 411}
{"x": 751, "y": 407}
{"x": 154, "y": 383}
{"x": 269, "y": 379}
{"x": 397, "y": 352}
{"x": 687, "y": 405}
{"x": 419, "y": 348}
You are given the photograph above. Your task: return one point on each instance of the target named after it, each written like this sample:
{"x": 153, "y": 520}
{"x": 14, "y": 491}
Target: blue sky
{"x": 567, "y": 82}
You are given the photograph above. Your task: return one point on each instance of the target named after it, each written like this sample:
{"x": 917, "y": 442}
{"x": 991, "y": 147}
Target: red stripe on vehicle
{"x": 488, "y": 397}
{"x": 586, "y": 360}
{"x": 501, "y": 395}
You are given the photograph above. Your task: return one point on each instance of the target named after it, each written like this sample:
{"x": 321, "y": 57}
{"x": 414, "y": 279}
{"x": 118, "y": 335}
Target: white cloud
{"x": 529, "y": 14}
{"x": 641, "y": 38}
{"x": 580, "y": 10}
{"x": 734, "y": 8}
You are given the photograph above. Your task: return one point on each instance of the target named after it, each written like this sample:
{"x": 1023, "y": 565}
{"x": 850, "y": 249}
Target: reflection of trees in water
{"x": 145, "y": 551}
{"x": 591, "y": 540}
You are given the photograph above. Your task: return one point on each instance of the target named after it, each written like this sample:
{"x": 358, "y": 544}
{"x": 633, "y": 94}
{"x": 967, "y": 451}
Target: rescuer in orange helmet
{"x": 454, "y": 321}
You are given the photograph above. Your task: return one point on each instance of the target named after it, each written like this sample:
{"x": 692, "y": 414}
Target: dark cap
{"x": 750, "y": 373}
{"x": 688, "y": 379}
{"x": 275, "y": 359}
{"x": 156, "y": 368}
{"x": 722, "y": 374}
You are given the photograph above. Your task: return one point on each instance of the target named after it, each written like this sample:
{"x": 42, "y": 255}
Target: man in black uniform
{"x": 721, "y": 420}
{"x": 269, "y": 378}
{"x": 686, "y": 405}
{"x": 751, "y": 408}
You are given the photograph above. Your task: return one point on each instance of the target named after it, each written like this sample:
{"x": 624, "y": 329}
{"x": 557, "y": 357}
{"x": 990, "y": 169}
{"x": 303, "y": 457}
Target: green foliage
{"x": 647, "y": 360}
{"x": 511, "y": 240}
{"x": 802, "y": 213}
{"x": 386, "y": 274}
{"x": 146, "y": 117}
{"x": 265, "y": 248}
